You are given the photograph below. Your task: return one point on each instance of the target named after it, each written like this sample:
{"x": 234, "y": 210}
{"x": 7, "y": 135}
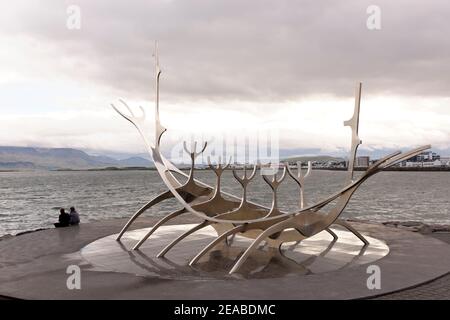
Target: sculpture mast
{"x": 353, "y": 123}
{"x": 159, "y": 129}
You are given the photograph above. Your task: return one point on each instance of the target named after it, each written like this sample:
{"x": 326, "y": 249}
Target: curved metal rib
{"x": 216, "y": 241}
{"x": 332, "y": 233}
{"x": 155, "y": 227}
{"x": 352, "y": 230}
{"x": 161, "y": 197}
{"x": 181, "y": 237}
{"x": 266, "y": 233}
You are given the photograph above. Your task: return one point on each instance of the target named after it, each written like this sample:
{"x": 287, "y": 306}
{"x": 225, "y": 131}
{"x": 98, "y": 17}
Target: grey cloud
{"x": 251, "y": 50}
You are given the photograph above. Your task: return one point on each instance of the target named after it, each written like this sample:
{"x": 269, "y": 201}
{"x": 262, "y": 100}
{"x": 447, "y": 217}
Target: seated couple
{"x": 68, "y": 219}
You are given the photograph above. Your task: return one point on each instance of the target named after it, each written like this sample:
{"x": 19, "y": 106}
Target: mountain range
{"x": 305, "y": 159}
{"x": 34, "y": 158}
{"x": 28, "y": 158}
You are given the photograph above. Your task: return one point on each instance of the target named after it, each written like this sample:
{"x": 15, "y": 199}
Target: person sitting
{"x": 64, "y": 219}
{"x": 74, "y": 217}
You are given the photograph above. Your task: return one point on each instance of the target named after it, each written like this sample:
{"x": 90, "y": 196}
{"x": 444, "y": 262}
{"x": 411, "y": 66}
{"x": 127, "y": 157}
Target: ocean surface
{"x": 31, "y": 200}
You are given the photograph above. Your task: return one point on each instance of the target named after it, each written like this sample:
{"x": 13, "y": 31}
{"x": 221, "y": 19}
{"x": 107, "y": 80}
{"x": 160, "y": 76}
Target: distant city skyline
{"x": 289, "y": 66}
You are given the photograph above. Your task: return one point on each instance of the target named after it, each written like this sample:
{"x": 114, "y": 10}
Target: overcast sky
{"x": 289, "y": 66}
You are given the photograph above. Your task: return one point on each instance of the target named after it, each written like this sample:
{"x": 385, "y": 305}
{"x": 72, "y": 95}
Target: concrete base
{"x": 33, "y": 266}
{"x": 315, "y": 255}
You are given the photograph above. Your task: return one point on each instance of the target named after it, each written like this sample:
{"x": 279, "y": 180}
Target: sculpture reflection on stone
{"x": 233, "y": 215}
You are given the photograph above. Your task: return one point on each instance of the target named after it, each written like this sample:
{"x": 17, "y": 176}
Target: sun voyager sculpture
{"x": 232, "y": 215}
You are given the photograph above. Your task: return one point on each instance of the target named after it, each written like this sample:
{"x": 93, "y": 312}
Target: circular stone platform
{"x": 314, "y": 255}
{"x": 34, "y": 265}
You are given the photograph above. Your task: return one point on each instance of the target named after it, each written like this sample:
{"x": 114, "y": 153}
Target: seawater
{"x": 31, "y": 200}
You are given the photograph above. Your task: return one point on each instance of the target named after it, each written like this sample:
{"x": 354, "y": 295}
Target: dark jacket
{"x": 64, "y": 218}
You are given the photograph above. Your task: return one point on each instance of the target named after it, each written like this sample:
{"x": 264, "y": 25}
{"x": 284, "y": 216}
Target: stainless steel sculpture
{"x": 236, "y": 215}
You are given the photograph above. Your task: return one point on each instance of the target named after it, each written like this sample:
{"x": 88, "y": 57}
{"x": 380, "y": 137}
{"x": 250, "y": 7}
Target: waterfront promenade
{"x": 38, "y": 260}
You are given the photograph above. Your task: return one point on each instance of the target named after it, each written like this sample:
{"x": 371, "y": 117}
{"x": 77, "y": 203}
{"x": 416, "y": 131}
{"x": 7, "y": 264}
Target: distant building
{"x": 362, "y": 162}
{"x": 424, "y": 164}
{"x": 425, "y": 157}
{"x": 435, "y": 163}
{"x": 445, "y": 161}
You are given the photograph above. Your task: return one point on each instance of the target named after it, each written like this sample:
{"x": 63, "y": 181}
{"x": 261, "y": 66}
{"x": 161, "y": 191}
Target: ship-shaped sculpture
{"x": 233, "y": 215}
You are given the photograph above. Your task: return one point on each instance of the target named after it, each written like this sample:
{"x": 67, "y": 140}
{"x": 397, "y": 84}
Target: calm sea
{"x": 30, "y": 200}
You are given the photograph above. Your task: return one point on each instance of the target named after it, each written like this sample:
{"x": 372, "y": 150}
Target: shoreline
{"x": 398, "y": 169}
{"x": 391, "y": 169}
{"x": 414, "y": 226}
{"x": 431, "y": 283}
